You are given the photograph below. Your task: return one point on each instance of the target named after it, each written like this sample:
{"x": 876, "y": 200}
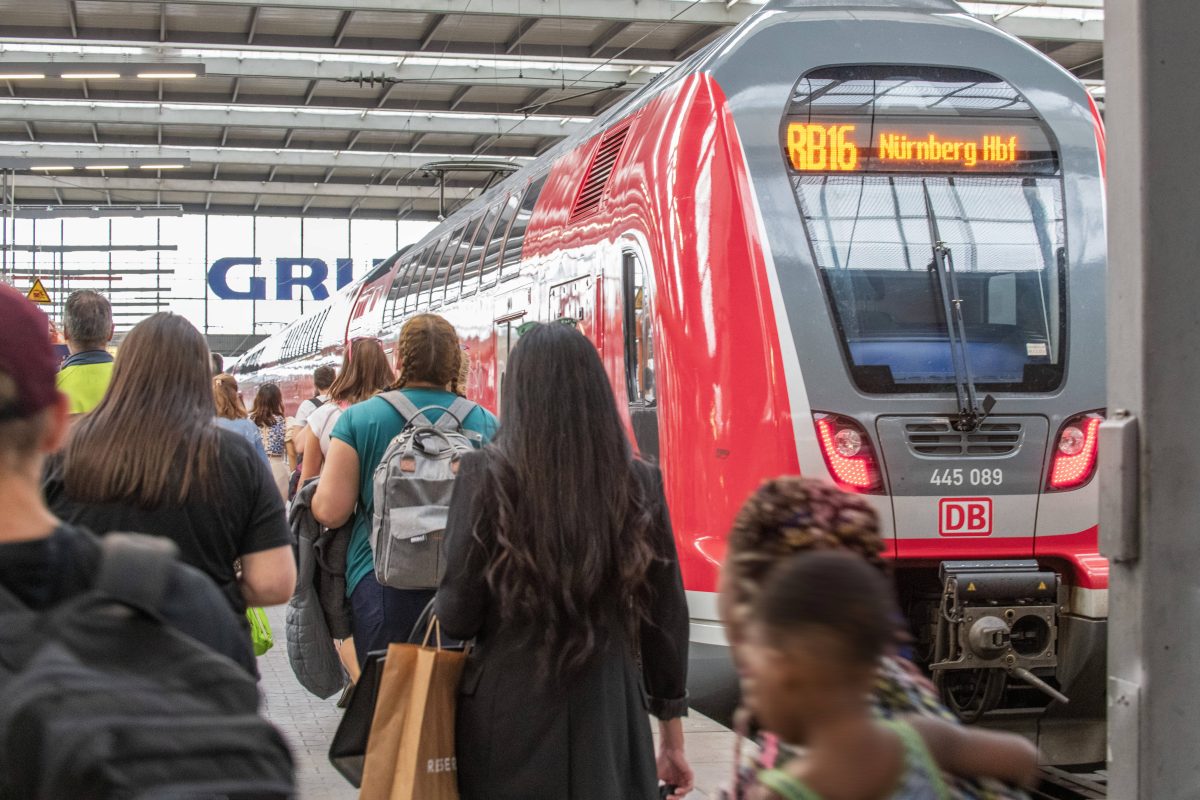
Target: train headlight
{"x": 848, "y": 442}
{"x": 848, "y": 453}
{"x": 1071, "y": 441}
{"x": 1075, "y": 452}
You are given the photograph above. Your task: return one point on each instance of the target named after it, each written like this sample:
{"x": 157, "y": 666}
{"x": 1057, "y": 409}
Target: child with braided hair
{"x": 791, "y": 515}
{"x": 428, "y": 358}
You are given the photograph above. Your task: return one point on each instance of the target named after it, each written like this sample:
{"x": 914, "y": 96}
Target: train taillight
{"x": 1075, "y": 452}
{"x": 848, "y": 453}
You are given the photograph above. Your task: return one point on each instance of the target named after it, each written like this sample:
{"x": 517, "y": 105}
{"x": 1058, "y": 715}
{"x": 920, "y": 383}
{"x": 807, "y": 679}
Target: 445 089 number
{"x": 957, "y": 476}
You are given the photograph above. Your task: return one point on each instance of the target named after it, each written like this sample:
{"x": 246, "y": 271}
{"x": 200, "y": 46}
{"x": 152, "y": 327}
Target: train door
{"x": 511, "y": 312}
{"x": 638, "y": 325}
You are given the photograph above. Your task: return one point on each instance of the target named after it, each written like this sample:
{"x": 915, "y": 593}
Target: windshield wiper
{"x": 971, "y": 412}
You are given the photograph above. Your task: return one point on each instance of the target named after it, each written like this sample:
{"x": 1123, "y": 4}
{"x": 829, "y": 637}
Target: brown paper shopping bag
{"x": 410, "y": 753}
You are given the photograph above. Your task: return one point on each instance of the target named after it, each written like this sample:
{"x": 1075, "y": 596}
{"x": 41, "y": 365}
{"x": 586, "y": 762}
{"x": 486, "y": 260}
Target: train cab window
{"x": 924, "y": 190}
{"x": 472, "y": 268}
{"x": 495, "y": 245}
{"x": 516, "y": 233}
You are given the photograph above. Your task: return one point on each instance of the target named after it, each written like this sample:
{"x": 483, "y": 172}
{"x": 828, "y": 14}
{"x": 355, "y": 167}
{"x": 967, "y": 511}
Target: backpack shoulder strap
{"x": 316, "y": 401}
{"x": 134, "y": 570}
{"x": 406, "y": 408}
{"x": 456, "y": 414}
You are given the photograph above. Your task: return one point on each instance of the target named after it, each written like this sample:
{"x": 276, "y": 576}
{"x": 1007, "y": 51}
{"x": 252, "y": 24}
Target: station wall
{"x": 270, "y": 269}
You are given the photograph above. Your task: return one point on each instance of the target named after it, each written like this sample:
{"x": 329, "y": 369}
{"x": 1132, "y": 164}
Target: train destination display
{"x": 884, "y": 145}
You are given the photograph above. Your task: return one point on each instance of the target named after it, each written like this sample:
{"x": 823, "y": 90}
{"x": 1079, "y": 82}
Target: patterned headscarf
{"x": 789, "y": 515}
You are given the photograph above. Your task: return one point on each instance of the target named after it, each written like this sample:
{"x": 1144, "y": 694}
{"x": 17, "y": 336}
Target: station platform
{"x": 308, "y": 724}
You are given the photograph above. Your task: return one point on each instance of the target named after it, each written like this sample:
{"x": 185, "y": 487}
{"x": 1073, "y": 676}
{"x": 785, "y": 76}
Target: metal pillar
{"x": 1150, "y": 519}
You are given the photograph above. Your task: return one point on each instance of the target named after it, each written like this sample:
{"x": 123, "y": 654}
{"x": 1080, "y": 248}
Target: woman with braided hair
{"x": 790, "y": 515}
{"x": 427, "y": 363}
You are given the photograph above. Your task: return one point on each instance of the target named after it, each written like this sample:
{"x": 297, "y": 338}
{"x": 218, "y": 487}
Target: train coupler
{"x": 996, "y": 619}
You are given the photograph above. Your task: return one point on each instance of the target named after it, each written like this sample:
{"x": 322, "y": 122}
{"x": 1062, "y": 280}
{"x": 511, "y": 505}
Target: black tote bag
{"x": 348, "y": 750}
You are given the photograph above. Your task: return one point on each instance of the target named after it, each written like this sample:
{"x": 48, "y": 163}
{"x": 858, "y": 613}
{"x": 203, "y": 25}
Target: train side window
{"x": 639, "y": 355}
{"x": 639, "y": 336}
{"x": 495, "y": 247}
{"x": 417, "y": 286}
{"x": 474, "y": 270}
{"x": 456, "y": 267}
{"x": 516, "y": 234}
{"x": 471, "y": 265}
{"x": 438, "y": 261}
{"x": 445, "y": 247}
{"x": 402, "y": 286}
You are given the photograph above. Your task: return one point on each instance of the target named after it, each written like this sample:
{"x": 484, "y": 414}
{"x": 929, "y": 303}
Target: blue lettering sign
{"x": 345, "y": 272}
{"x": 218, "y": 279}
{"x": 286, "y": 278}
{"x": 290, "y": 274}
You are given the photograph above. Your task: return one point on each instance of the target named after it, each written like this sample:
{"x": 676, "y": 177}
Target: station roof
{"x": 331, "y": 108}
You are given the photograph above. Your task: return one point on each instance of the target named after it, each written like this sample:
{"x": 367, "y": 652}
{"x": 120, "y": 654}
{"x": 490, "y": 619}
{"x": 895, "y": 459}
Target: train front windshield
{"x": 932, "y": 201}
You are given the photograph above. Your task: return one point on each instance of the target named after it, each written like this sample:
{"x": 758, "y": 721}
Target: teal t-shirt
{"x": 369, "y": 428}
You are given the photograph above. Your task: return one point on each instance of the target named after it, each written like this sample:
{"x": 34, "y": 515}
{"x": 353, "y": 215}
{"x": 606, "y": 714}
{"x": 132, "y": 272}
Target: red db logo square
{"x": 966, "y": 516}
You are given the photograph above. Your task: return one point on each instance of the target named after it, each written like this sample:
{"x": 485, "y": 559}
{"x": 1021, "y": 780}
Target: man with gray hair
{"x": 88, "y": 328}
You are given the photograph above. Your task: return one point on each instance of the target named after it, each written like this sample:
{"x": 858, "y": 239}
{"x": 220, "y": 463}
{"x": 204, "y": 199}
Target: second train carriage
{"x": 861, "y": 240}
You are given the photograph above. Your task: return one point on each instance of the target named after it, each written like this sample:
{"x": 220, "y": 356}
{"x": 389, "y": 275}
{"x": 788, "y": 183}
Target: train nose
{"x": 949, "y": 487}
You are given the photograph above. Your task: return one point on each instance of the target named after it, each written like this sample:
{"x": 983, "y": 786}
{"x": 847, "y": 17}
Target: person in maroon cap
{"x": 44, "y": 561}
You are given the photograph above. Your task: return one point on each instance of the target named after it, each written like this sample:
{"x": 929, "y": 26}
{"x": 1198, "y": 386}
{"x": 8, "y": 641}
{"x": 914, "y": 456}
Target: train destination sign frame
{"x": 836, "y": 143}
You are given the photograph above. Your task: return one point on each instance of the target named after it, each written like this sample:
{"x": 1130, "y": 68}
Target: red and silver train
{"x": 863, "y": 241}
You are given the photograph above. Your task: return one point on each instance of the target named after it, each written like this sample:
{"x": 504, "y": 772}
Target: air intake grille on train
{"x": 939, "y": 439}
{"x": 587, "y": 202}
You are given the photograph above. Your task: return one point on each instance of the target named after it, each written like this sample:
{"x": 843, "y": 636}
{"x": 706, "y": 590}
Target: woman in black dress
{"x": 562, "y": 567}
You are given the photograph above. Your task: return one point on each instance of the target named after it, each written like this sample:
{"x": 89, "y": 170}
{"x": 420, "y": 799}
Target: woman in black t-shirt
{"x": 150, "y": 459}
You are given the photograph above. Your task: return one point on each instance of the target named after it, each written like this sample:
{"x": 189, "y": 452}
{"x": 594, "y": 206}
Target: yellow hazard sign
{"x": 970, "y": 587}
{"x": 1042, "y": 586}
{"x": 37, "y": 293}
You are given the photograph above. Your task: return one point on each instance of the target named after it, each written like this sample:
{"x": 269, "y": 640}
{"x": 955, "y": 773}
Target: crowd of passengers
{"x": 561, "y": 562}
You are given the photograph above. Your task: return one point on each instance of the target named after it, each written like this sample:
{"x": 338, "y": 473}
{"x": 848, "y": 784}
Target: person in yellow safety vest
{"x": 88, "y": 328}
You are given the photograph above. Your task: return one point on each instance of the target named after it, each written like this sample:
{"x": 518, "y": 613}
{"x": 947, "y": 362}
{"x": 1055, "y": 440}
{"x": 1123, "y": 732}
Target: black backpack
{"x": 100, "y": 699}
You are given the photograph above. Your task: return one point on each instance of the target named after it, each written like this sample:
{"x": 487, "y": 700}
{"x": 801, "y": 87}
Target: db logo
{"x": 967, "y": 516}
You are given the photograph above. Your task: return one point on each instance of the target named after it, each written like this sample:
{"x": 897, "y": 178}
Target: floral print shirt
{"x": 275, "y": 437}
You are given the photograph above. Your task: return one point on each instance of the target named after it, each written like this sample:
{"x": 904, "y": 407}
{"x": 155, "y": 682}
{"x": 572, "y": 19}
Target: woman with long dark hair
{"x": 267, "y": 414}
{"x": 150, "y": 459}
{"x": 364, "y": 374}
{"x": 562, "y": 567}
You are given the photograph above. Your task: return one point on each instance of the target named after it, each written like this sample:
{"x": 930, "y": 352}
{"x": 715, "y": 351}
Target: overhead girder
{"x": 451, "y": 71}
{"x": 277, "y": 188}
{"x": 370, "y": 120}
{"x": 226, "y": 156}
{"x": 654, "y": 11}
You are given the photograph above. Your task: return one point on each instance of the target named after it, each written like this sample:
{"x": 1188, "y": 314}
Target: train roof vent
{"x": 595, "y": 181}
{"x": 939, "y": 439}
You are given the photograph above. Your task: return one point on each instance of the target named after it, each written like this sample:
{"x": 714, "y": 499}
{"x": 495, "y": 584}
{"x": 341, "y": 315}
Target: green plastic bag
{"x": 260, "y": 631}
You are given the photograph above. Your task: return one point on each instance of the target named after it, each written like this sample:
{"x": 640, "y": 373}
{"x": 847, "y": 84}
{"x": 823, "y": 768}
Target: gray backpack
{"x": 413, "y": 484}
